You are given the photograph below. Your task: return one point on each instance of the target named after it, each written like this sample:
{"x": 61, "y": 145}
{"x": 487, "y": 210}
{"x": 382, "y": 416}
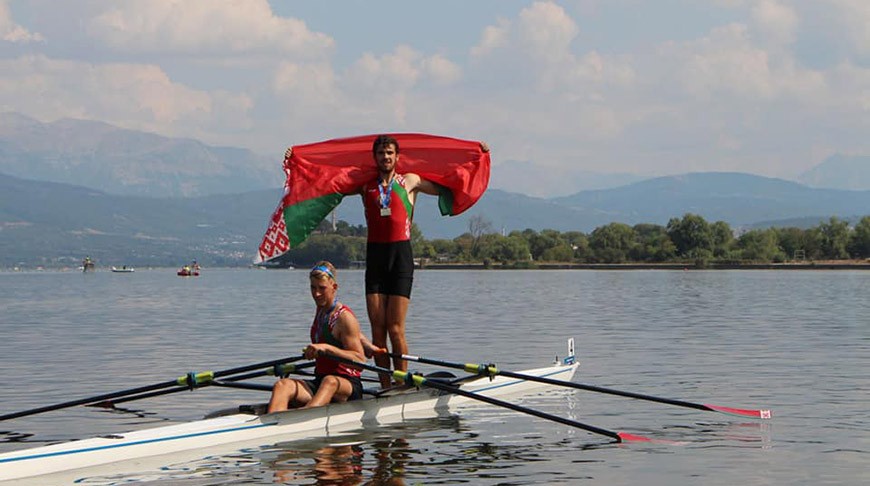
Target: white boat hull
{"x": 252, "y": 429}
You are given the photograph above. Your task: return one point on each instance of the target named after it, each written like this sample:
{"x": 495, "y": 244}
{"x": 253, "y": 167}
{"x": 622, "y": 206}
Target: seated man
{"x": 335, "y": 331}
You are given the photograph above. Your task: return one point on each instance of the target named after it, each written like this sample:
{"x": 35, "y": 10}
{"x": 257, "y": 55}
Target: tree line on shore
{"x": 689, "y": 239}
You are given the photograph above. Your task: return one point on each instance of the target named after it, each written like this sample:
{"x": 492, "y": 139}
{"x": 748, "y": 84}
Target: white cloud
{"x": 549, "y": 81}
{"x": 392, "y": 72}
{"x": 536, "y": 49}
{"x": 546, "y": 31}
{"x": 309, "y": 84}
{"x": 129, "y": 95}
{"x": 228, "y": 27}
{"x": 493, "y": 37}
{"x": 854, "y": 18}
{"x": 850, "y": 91}
{"x": 778, "y": 23}
{"x": 441, "y": 71}
{"x": 726, "y": 62}
{"x": 12, "y": 32}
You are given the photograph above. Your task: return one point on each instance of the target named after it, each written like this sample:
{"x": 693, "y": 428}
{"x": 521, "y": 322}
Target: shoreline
{"x": 820, "y": 265}
{"x": 827, "y": 265}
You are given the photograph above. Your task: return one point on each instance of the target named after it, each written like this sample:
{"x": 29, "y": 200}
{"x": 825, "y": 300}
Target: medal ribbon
{"x": 385, "y": 193}
{"x": 323, "y": 321}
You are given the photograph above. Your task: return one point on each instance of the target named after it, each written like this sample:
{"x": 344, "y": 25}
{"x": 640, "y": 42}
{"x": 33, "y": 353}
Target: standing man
{"x": 389, "y": 200}
{"x": 389, "y": 209}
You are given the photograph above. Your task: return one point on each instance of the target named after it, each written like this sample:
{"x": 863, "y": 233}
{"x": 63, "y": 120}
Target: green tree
{"x": 760, "y": 245}
{"x": 477, "y": 227}
{"x": 834, "y": 239}
{"x": 722, "y": 238}
{"x": 340, "y": 250}
{"x": 539, "y": 242}
{"x": 419, "y": 246}
{"x": 797, "y": 241}
{"x": 691, "y": 235}
{"x": 562, "y": 252}
{"x": 579, "y": 243}
{"x": 612, "y": 243}
{"x": 346, "y": 229}
{"x": 813, "y": 242}
{"x": 447, "y": 249}
{"x": 504, "y": 249}
{"x": 792, "y": 241}
{"x": 653, "y": 244}
{"x": 463, "y": 244}
{"x": 860, "y": 241}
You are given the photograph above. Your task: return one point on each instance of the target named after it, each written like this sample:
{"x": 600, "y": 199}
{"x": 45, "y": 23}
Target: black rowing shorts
{"x": 355, "y": 382}
{"x": 389, "y": 268}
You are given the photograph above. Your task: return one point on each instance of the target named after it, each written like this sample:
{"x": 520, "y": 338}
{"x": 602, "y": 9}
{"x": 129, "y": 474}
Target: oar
{"x": 191, "y": 380}
{"x": 492, "y": 370}
{"x": 278, "y": 369}
{"x": 439, "y": 385}
{"x": 272, "y": 371}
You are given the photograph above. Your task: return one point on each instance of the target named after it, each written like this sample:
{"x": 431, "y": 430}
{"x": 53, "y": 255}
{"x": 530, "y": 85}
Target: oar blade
{"x": 626, "y": 437}
{"x": 741, "y": 412}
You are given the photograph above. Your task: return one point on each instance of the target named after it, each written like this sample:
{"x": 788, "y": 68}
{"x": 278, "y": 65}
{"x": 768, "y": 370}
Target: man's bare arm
{"x": 416, "y": 183}
{"x": 350, "y": 336}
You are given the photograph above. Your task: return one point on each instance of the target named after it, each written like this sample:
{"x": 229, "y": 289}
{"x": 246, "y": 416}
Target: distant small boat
{"x": 188, "y": 272}
{"x": 124, "y": 269}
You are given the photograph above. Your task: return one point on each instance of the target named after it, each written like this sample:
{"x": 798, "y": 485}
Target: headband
{"x": 324, "y": 269}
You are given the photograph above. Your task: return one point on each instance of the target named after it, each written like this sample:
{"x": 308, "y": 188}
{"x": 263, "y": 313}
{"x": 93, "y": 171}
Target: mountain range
{"x": 71, "y": 188}
{"x": 128, "y": 162}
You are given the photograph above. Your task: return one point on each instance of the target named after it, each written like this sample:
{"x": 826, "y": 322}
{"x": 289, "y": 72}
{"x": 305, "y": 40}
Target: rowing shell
{"x": 250, "y": 429}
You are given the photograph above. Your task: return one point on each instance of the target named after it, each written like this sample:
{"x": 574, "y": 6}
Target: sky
{"x": 769, "y": 87}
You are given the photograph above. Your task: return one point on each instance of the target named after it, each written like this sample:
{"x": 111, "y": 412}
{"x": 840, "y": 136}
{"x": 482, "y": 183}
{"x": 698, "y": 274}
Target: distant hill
{"x": 840, "y": 172}
{"x": 127, "y": 162}
{"x": 46, "y": 223}
{"x": 736, "y": 198}
{"x": 532, "y": 179}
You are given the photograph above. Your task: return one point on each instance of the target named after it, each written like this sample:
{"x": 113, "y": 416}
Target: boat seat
{"x": 252, "y": 409}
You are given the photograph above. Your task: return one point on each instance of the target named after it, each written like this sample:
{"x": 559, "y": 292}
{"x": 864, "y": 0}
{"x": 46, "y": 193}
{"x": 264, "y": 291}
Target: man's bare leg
{"x": 376, "y": 305}
{"x": 397, "y": 309}
{"x": 331, "y": 388}
{"x": 287, "y": 390}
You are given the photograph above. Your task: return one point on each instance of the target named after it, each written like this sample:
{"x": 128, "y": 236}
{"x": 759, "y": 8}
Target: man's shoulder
{"x": 344, "y": 308}
{"x": 345, "y": 315}
{"x": 409, "y": 179}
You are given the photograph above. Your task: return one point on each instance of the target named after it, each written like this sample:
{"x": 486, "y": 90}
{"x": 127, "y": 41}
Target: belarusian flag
{"x": 319, "y": 175}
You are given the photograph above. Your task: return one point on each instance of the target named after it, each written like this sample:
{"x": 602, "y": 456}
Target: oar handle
{"x": 287, "y": 368}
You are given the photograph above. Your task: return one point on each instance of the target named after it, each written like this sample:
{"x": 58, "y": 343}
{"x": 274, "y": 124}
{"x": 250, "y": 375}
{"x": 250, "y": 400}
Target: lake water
{"x": 796, "y": 342}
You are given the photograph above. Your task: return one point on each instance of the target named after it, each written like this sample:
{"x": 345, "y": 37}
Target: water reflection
{"x": 345, "y": 465}
{"x": 367, "y": 457}
{"x": 392, "y": 458}
{"x": 333, "y": 465}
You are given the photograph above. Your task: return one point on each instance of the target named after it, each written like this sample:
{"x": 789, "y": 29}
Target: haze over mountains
{"x": 127, "y": 197}
{"x": 127, "y": 162}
